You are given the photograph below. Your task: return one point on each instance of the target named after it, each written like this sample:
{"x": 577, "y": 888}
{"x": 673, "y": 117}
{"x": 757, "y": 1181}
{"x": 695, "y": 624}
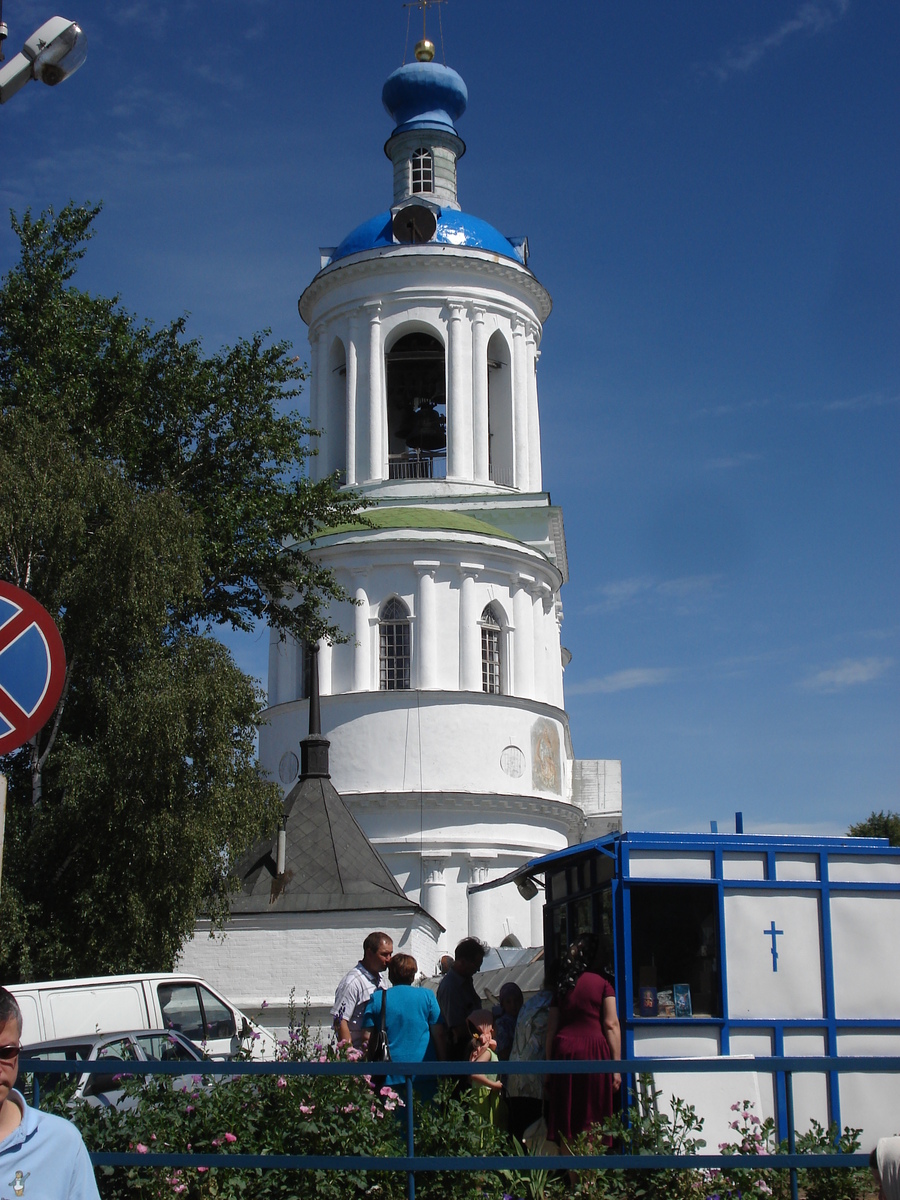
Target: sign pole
{"x": 2, "y": 818}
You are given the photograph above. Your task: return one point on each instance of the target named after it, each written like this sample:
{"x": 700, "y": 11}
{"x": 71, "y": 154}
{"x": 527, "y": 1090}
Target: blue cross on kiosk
{"x": 773, "y": 933}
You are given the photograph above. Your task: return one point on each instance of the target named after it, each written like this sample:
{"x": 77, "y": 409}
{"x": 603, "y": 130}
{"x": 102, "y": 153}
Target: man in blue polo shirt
{"x": 41, "y": 1156}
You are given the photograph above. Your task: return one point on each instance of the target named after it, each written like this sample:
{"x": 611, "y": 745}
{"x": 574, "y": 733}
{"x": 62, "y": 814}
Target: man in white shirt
{"x": 40, "y": 1155}
{"x": 356, "y": 988}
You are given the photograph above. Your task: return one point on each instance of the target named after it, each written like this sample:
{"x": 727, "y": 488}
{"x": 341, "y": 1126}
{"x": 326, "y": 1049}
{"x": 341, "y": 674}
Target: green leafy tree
{"x": 879, "y": 824}
{"x": 148, "y": 493}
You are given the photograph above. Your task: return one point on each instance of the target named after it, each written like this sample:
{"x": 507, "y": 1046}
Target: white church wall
{"x": 444, "y": 741}
{"x": 262, "y": 958}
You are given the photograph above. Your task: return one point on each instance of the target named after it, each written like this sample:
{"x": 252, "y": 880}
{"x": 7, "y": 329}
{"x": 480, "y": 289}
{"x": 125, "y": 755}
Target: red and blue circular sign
{"x": 32, "y": 667}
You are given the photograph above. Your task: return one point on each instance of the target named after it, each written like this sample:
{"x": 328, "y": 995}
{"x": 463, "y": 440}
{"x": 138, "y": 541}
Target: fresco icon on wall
{"x": 545, "y": 767}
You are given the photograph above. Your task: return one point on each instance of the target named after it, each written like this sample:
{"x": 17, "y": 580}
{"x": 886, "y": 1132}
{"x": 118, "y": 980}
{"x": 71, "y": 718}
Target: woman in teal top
{"x": 415, "y": 1028}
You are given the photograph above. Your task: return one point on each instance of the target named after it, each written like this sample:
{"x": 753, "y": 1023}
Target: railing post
{"x": 792, "y": 1139}
{"x": 36, "y": 1096}
{"x": 410, "y": 1138}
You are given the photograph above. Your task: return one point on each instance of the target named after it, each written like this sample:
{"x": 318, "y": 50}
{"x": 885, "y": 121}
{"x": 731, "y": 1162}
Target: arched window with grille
{"x": 421, "y": 171}
{"x": 393, "y": 646}
{"x": 491, "y": 633}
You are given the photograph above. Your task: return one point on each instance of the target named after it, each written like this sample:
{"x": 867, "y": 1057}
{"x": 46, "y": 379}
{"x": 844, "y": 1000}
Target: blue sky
{"x": 710, "y": 192}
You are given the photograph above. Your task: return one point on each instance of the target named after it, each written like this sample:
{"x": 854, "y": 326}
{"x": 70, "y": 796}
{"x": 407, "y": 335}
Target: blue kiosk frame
{"x": 787, "y": 946}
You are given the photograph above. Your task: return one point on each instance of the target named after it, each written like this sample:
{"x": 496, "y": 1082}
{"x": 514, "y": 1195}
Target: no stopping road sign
{"x": 32, "y": 667}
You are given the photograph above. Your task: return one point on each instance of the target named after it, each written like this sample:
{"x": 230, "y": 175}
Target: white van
{"x": 112, "y": 1003}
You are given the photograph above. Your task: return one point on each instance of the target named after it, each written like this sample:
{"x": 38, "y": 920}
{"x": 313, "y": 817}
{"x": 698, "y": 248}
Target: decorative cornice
{"x": 382, "y": 544}
{"x": 564, "y": 813}
{"x": 419, "y": 259}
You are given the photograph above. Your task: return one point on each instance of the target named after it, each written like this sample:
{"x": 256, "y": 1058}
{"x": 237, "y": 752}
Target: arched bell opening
{"x": 417, "y": 408}
{"x": 334, "y": 417}
{"x": 500, "y": 412}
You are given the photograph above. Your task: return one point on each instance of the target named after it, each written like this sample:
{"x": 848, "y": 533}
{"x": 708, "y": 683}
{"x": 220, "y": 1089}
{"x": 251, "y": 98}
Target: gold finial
{"x": 424, "y": 48}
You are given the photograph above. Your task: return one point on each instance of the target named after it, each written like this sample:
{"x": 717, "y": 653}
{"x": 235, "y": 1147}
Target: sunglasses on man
{"x": 8, "y": 1053}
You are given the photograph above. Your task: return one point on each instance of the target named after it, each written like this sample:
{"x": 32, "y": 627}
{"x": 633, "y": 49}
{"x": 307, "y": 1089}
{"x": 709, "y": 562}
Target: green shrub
{"x": 283, "y": 1114}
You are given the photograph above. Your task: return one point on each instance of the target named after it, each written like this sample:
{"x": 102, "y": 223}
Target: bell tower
{"x": 445, "y": 708}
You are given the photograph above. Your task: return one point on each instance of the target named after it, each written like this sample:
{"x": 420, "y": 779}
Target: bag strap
{"x": 383, "y": 1016}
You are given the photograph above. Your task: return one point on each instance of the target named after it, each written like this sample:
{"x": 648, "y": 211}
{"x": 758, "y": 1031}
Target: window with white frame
{"x": 422, "y": 171}
{"x": 491, "y": 631}
{"x": 393, "y": 646}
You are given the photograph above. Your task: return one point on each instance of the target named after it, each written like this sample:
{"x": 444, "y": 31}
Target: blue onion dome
{"x": 453, "y": 229}
{"x": 424, "y": 95}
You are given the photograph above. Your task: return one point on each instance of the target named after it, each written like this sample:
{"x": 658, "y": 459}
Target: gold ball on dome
{"x": 424, "y": 50}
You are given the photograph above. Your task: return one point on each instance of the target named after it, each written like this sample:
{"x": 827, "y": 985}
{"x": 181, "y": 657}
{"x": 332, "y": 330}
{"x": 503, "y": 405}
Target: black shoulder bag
{"x": 379, "y": 1049}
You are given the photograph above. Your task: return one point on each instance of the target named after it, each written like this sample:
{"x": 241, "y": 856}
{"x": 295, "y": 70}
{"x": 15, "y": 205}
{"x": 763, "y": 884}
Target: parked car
{"x": 120, "y": 1050}
{"x": 67, "y": 1008}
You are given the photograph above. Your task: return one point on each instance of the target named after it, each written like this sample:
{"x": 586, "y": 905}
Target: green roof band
{"x": 417, "y": 518}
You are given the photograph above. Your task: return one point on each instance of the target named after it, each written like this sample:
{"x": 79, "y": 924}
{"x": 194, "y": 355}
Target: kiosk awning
{"x": 537, "y": 866}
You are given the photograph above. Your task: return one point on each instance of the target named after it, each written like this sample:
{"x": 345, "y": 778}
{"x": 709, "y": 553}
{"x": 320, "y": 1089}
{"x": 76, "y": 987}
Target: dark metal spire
{"x": 314, "y": 747}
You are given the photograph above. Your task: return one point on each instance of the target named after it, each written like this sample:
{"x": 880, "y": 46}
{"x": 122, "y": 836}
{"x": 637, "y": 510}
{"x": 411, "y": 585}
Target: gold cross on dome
{"x": 424, "y": 5}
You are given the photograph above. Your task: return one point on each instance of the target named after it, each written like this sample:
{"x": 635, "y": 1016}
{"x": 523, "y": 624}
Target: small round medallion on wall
{"x": 289, "y": 767}
{"x": 512, "y": 760}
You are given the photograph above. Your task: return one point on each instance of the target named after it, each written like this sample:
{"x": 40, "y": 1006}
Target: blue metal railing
{"x": 780, "y": 1068}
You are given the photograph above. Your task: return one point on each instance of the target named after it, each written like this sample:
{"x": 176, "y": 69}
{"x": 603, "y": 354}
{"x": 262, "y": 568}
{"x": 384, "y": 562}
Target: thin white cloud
{"x": 727, "y": 408}
{"x": 168, "y": 108}
{"x": 688, "y": 585}
{"x": 862, "y": 403}
{"x": 221, "y": 77}
{"x": 848, "y": 673}
{"x": 152, "y": 16}
{"x": 622, "y": 681}
{"x": 730, "y": 462}
{"x": 811, "y": 18}
{"x": 621, "y": 593}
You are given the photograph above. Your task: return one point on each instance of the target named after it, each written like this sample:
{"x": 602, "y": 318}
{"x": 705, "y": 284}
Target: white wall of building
{"x": 264, "y": 958}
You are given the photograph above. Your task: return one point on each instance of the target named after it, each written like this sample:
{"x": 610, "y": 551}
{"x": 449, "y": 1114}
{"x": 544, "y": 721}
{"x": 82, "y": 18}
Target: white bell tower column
{"x": 520, "y": 404}
{"x": 434, "y": 891}
{"x": 469, "y": 630}
{"x": 459, "y": 399}
{"x": 377, "y": 458}
{"x": 480, "y": 427}
{"x": 352, "y": 386}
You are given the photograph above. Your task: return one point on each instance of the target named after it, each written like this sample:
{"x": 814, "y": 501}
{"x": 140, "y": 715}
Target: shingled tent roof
{"x": 329, "y": 863}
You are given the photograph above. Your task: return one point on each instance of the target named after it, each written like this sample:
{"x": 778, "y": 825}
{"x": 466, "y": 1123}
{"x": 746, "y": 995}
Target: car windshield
{"x": 162, "y": 1047}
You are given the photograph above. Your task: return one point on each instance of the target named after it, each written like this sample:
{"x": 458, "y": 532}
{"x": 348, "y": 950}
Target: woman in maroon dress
{"x": 582, "y": 1024}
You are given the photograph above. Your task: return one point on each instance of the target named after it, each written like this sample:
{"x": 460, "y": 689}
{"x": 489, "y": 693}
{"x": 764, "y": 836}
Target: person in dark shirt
{"x": 457, "y": 996}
